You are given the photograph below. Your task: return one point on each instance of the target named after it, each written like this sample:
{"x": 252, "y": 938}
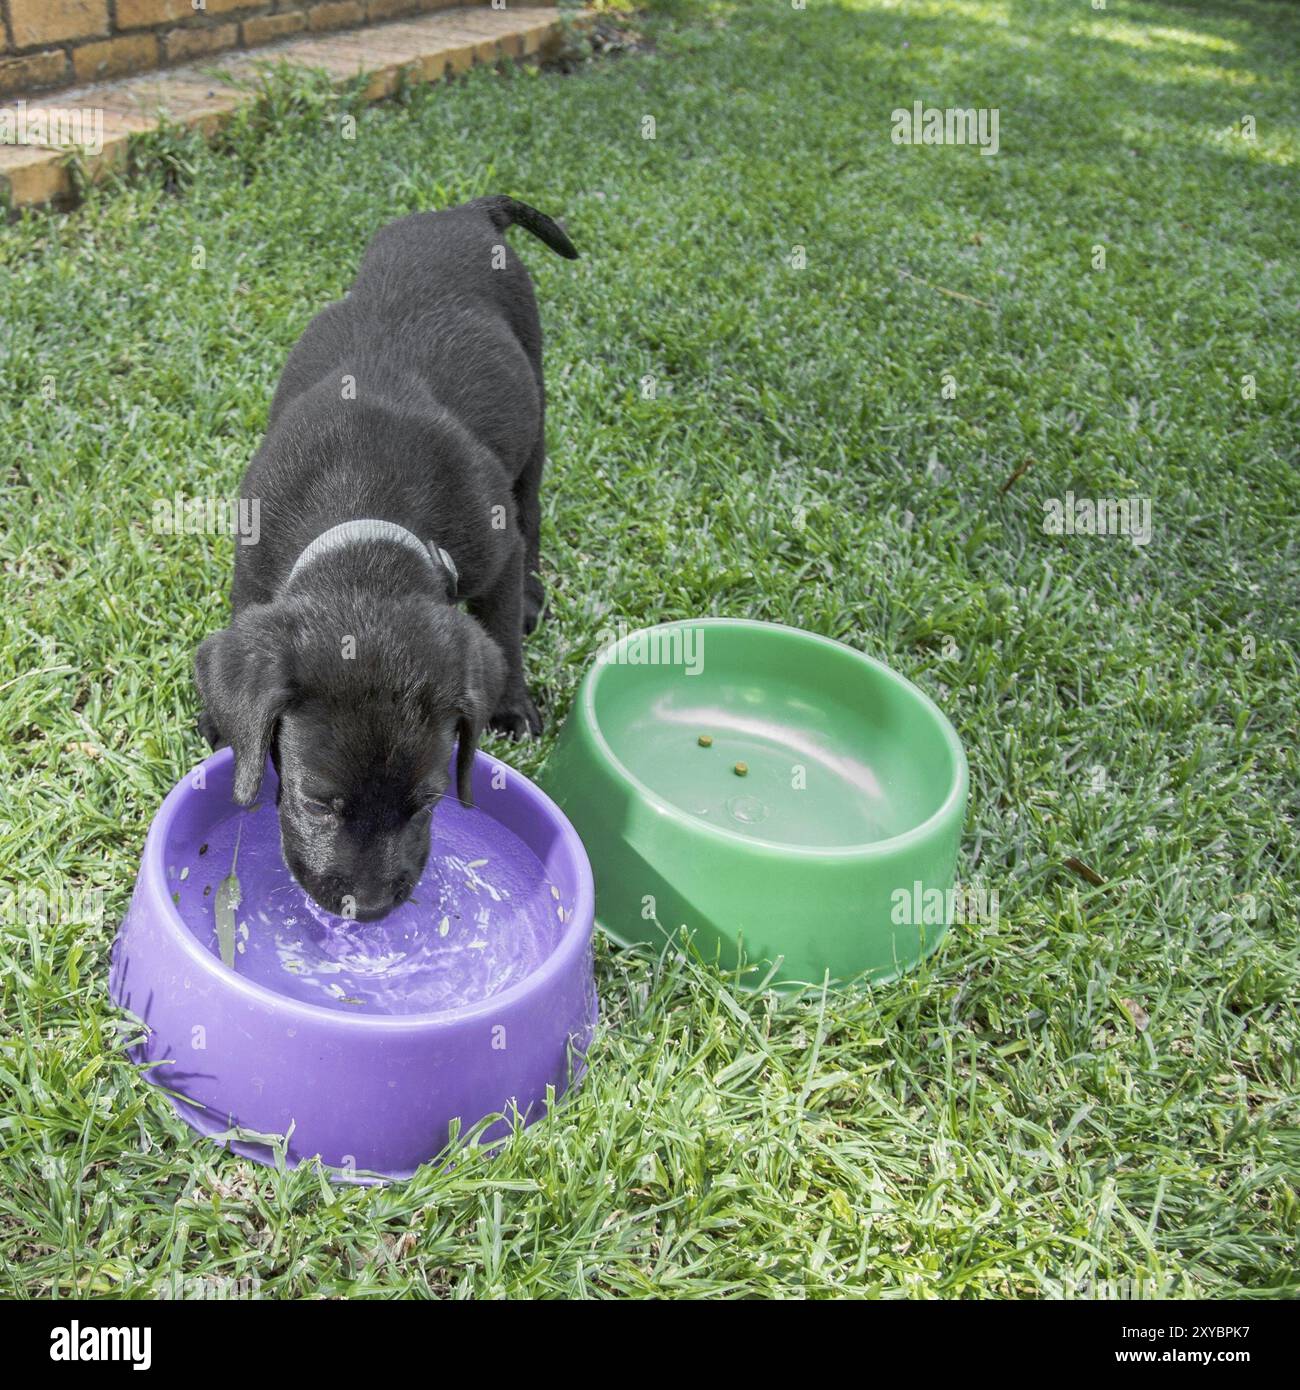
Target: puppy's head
{"x": 359, "y": 714}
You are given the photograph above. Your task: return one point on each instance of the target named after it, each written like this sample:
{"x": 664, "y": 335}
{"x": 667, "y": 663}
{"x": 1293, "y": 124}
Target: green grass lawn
{"x": 1094, "y": 1094}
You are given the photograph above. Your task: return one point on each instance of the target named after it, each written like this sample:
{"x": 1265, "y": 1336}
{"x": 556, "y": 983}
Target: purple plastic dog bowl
{"x": 361, "y": 1042}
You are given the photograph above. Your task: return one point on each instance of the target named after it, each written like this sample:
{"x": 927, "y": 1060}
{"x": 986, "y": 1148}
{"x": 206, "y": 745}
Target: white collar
{"x": 353, "y": 532}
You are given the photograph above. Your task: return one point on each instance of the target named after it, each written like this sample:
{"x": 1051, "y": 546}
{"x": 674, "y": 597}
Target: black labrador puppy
{"x": 399, "y": 476}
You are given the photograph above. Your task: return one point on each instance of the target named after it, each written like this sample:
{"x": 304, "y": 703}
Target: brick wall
{"x": 45, "y": 44}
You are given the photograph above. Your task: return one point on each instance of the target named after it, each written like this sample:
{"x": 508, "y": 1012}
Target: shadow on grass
{"x": 1100, "y": 91}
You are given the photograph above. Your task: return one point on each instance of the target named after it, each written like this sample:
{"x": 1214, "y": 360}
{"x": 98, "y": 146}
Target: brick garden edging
{"x": 426, "y": 49}
{"x": 46, "y": 44}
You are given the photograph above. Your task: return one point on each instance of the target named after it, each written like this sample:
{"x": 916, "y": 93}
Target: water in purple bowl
{"x": 483, "y": 917}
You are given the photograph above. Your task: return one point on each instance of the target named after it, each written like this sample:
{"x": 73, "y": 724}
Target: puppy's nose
{"x": 371, "y": 904}
{"x": 367, "y": 909}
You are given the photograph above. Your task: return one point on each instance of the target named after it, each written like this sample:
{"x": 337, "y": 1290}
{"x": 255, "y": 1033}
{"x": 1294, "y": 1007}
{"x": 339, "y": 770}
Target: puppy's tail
{"x": 506, "y": 212}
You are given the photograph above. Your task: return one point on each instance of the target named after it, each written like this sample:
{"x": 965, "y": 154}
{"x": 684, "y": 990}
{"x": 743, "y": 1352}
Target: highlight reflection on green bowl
{"x": 821, "y": 855}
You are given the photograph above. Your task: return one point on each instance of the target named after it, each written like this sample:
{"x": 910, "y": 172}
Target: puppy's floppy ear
{"x": 243, "y": 679}
{"x": 485, "y": 678}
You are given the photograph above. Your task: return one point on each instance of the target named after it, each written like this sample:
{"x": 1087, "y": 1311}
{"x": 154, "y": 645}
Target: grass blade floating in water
{"x": 228, "y": 899}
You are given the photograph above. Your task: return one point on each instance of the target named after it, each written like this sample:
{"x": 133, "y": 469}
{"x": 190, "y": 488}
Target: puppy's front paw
{"x": 208, "y": 728}
{"x": 516, "y": 716}
{"x": 534, "y": 603}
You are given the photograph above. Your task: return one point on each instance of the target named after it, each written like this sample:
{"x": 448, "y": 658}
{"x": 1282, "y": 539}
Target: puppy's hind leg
{"x": 528, "y": 508}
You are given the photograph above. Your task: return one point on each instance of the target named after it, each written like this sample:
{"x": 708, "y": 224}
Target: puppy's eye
{"x": 322, "y": 809}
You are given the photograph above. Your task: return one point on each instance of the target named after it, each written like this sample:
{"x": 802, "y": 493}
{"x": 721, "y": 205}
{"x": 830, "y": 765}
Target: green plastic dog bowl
{"x": 784, "y": 797}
